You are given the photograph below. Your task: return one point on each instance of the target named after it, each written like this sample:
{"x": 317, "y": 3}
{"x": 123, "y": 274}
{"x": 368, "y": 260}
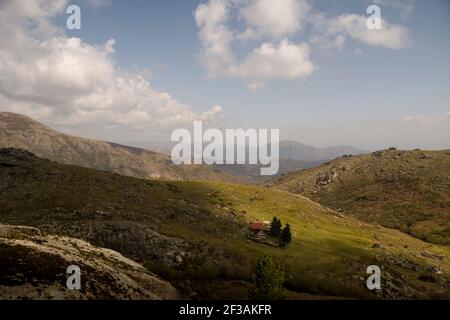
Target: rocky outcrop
{"x": 33, "y": 265}
{"x": 326, "y": 177}
{"x": 132, "y": 239}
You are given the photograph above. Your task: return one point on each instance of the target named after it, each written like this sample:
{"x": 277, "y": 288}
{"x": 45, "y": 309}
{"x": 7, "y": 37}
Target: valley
{"x": 193, "y": 232}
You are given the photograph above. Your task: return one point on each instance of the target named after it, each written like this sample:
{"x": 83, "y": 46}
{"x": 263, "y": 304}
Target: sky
{"x": 313, "y": 69}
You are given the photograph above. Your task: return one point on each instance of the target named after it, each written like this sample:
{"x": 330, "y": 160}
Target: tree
{"x": 268, "y": 280}
{"x": 286, "y": 236}
{"x": 275, "y": 227}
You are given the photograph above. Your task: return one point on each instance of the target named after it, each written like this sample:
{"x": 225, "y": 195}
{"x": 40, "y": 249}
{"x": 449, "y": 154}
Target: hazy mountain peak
{"x": 22, "y": 132}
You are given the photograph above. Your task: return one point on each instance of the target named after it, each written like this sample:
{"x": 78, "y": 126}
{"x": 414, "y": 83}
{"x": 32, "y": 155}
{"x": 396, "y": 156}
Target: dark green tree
{"x": 268, "y": 280}
{"x": 275, "y": 227}
{"x": 286, "y": 236}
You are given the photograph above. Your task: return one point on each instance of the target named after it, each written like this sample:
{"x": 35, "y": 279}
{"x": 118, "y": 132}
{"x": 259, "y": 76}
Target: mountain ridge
{"x": 294, "y": 150}
{"x": 406, "y": 190}
{"x": 19, "y": 131}
{"x": 289, "y": 150}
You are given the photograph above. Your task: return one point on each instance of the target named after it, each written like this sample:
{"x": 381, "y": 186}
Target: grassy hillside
{"x": 18, "y": 131}
{"x": 193, "y": 233}
{"x": 406, "y": 190}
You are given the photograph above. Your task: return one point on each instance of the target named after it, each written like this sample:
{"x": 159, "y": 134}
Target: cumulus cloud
{"x": 285, "y": 61}
{"x": 268, "y": 32}
{"x": 211, "y": 19}
{"x": 390, "y": 36}
{"x": 22, "y": 18}
{"x": 67, "y": 81}
{"x": 274, "y": 18}
{"x": 333, "y": 32}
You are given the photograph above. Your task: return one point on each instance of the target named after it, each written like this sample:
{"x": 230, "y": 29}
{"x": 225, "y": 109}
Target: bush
{"x": 268, "y": 280}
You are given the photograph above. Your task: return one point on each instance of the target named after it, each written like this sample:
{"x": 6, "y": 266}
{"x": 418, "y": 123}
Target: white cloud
{"x": 21, "y": 18}
{"x": 54, "y": 71}
{"x": 257, "y": 40}
{"x": 66, "y": 81}
{"x": 332, "y": 32}
{"x": 255, "y": 85}
{"x": 428, "y": 120}
{"x": 247, "y": 34}
{"x": 268, "y": 61}
{"x": 276, "y": 18}
{"x": 285, "y": 61}
{"x": 211, "y": 19}
{"x": 390, "y": 36}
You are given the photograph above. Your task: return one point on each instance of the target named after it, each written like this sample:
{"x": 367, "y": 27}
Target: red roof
{"x": 257, "y": 226}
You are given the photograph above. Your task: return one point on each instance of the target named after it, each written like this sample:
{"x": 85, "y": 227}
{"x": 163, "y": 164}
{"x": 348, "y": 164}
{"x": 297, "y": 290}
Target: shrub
{"x": 268, "y": 280}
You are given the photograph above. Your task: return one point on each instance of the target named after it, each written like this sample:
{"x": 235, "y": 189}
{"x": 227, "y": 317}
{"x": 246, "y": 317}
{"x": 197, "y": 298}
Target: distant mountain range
{"x": 297, "y": 151}
{"x": 19, "y": 131}
{"x": 293, "y": 156}
{"x": 289, "y": 150}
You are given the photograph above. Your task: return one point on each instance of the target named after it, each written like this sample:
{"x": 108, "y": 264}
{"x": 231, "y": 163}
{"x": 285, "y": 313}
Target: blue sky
{"x": 367, "y": 95}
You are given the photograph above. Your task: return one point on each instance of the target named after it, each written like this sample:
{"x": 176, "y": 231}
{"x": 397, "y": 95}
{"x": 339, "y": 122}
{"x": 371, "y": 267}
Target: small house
{"x": 259, "y": 229}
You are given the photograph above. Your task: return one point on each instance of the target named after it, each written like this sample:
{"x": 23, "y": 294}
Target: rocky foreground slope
{"x": 33, "y": 265}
